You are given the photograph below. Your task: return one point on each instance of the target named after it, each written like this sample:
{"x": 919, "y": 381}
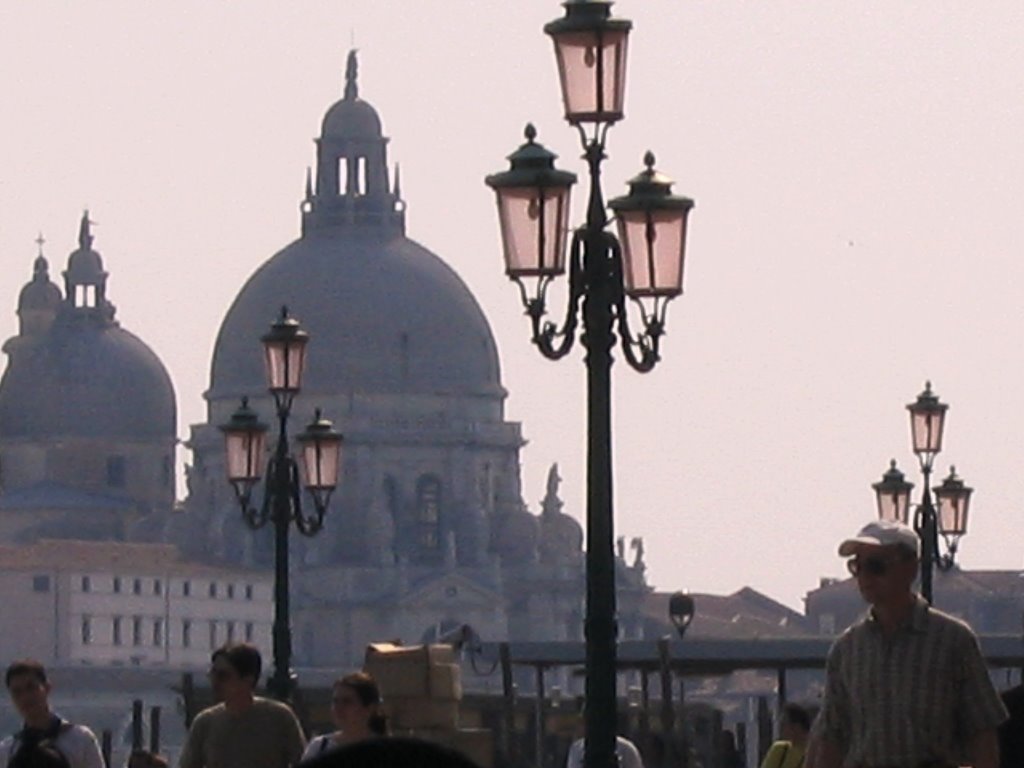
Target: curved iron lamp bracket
{"x": 640, "y": 350}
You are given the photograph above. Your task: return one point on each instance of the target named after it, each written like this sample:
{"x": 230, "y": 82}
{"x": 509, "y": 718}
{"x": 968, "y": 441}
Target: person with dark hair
{"x": 243, "y": 730}
{"x": 45, "y": 740}
{"x": 794, "y": 732}
{"x": 355, "y": 710}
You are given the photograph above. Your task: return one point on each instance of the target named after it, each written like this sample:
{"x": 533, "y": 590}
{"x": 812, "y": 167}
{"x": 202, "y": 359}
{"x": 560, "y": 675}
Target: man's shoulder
{"x": 959, "y": 628}
{"x": 272, "y": 708}
{"x": 208, "y": 715}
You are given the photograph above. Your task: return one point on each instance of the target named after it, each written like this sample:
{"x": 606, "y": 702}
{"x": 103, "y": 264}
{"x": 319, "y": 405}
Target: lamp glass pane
{"x": 244, "y": 455}
{"x": 321, "y": 460}
{"x": 534, "y": 227}
{"x": 926, "y": 430}
{"x": 952, "y": 513}
{"x": 893, "y": 506}
{"x": 285, "y": 362}
{"x": 592, "y": 68}
{"x": 653, "y": 250}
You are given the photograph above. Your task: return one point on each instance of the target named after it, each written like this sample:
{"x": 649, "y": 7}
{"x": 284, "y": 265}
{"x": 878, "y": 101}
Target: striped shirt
{"x": 916, "y": 696}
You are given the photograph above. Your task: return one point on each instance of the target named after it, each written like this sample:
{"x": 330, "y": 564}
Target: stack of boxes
{"x": 421, "y": 686}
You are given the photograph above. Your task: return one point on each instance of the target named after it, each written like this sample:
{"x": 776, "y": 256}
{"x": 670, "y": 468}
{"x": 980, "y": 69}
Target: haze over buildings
{"x": 855, "y": 171}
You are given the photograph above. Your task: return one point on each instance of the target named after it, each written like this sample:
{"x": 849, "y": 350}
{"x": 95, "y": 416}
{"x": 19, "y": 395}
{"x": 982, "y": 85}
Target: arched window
{"x": 428, "y": 514}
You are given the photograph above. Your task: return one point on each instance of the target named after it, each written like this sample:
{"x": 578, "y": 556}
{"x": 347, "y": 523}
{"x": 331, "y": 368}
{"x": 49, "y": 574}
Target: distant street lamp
{"x": 644, "y": 265}
{"x": 681, "y": 609}
{"x": 892, "y": 492}
{"x": 319, "y": 460}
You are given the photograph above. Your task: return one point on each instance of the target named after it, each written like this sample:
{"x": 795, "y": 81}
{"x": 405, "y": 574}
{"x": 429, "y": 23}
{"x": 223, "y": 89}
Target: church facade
{"x": 428, "y": 529}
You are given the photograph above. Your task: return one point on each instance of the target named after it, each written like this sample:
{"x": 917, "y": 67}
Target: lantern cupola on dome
{"x": 352, "y": 187}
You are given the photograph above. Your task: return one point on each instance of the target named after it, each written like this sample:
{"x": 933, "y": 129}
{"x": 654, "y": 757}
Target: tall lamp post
{"x": 927, "y": 421}
{"x": 643, "y": 264}
{"x": 319, "y": 460}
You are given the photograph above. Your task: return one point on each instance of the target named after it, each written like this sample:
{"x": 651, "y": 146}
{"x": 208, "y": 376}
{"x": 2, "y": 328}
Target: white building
{"x": 121, "y": 604}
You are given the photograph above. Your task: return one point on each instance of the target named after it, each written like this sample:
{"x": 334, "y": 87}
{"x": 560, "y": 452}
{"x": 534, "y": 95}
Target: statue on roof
{"x": 352, "y": 76}
{"x": 551, "y": 503}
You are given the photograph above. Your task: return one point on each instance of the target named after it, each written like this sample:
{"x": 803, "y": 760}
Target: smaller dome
{"x": 41, "y": 293}
{"x": 84, "y": 265}
{"x": 354, "y": 119}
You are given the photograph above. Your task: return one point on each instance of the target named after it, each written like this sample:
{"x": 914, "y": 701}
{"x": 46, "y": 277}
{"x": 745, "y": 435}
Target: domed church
{"x": 428, "y": 528}
{"x": 87, "y": 414}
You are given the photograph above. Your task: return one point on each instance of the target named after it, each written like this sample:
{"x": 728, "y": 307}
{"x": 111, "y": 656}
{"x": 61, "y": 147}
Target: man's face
{"x": 884, "y": 574}
{"x": 225, "y": 681}
{"x": 29, "y": 695}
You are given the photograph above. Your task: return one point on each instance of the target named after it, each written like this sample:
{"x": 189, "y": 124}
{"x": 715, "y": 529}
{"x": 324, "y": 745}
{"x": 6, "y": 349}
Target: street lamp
{"x": 319, "y": 461}
{"x": 927, "y": 422}
{"x": 643, "y": 264}
{"x": 681, "y": 609}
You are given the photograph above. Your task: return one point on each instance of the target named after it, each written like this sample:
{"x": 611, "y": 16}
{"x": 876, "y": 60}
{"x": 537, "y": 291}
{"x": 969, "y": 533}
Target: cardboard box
{"x": 415, "y": 671}
{"x": 405, "y": 713}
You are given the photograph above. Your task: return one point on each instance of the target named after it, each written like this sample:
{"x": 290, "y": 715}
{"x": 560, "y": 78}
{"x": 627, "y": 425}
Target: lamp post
{"x": 927, "y": 421}
{"x": 643, "y": 264}
{"x": 319, "y": 460}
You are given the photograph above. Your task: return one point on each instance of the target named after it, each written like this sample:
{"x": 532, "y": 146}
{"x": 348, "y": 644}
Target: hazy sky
{"x": 858, "y": 175}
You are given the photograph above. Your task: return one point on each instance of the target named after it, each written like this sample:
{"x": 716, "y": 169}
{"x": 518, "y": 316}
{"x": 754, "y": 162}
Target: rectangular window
{"x": 158, "y": 632}
{"x": 231, "y": 591}
{"x": 136, "y": 586}
{"x": 186, "y": 589}
{"x": 248, "y": 591}
{"x": 213, "y": 589}
{"x": 186, "y": 634}
{"x": 136, "y": 630}
{"x": 117, "y": 585}
{"x": 116, "y": 632}
{"x": 158, "y": 587}
{"x": 116, "y": 472}
{"x": 231, "y": 631}
{"x": 86, "y": 584}
{"x": 248, "y": 631}
{"x": 213, "y": 635}
{"x": 41, "y": 583}
{"x": 86, "y": 630}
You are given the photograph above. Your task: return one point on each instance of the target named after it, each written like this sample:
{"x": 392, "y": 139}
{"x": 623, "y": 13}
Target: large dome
{"x": 86, "y": 380}
{"x": 385, "y": 316}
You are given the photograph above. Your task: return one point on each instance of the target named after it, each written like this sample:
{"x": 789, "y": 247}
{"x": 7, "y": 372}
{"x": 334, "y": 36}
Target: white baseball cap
{"x": 883, "y": 533}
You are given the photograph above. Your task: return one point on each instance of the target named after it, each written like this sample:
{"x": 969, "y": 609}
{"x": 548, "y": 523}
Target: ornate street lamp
{"x": 893, "y": 494}
{"x": 644, "y": 264}
{"x": 927, "y": 422}
{"x": 320, "y": 460}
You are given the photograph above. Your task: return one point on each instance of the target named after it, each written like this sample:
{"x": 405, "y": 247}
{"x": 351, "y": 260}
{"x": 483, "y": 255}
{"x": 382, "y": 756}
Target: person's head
{"x": 355, "y": 705}
{"x": 143, "y": 758}
{"x": 28, "y": 688}
{"x": 235, "y": 671}
{"x": 883, "y": 558}
{"x": 796, "y": 723}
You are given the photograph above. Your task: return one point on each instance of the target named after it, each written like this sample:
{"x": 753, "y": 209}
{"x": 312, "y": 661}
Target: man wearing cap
{"x": 906, "y": 686}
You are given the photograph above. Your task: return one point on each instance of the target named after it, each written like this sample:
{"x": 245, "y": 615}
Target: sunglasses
{"x": 870, "y": 566}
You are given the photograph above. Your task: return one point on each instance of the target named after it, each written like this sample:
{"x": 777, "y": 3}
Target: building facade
{"x": 428, "y": 529}
{"x": 126, "y": 604}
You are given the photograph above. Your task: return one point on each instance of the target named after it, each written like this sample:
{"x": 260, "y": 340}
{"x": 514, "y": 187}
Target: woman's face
{"x": 348, "y": 711}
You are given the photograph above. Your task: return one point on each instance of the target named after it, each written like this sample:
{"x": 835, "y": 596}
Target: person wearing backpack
{"x": 45, "y": 739}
